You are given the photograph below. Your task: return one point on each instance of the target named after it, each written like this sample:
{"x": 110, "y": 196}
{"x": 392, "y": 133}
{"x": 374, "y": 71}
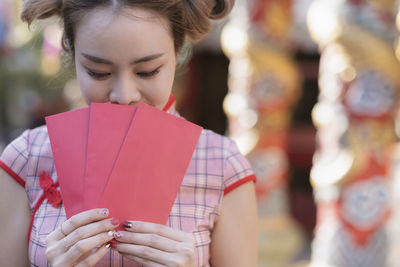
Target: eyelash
{"x": 148, "y": 74}
{"x": 100, "y": 76}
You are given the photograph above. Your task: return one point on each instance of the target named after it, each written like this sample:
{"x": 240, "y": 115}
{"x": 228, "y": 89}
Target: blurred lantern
{"x": 3, "y": 27}
{"x": 50, "y": 56}
{"x": 29, "y": 62}
{"x": 359, "y": 82}
{"x": 326, "y": 12}
{"x": 5, "y": 21}
{"x": 19, "y": 34}
{"x": 233, "y": 40}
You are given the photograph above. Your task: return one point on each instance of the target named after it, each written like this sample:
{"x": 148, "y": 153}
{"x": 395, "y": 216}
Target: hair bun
{"x": 222, "y": 8}
{"x": 197, "y": 15}
{"x": 40, "y": 9}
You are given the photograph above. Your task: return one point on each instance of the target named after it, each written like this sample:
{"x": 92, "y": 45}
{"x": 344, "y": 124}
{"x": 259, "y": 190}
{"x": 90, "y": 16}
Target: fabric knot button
{"x": 50, "y": 189}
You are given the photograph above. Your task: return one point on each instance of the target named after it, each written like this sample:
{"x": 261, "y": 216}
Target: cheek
{"x": 163, "y": 87}
{"x": 92, "y": 91}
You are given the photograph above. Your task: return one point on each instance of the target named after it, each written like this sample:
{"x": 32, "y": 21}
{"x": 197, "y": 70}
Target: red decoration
{"x": 50, "y": 189}
{"x": 362, "y": 235}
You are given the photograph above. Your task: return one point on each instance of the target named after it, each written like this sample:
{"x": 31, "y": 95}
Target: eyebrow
{"x": 108, "y": 62}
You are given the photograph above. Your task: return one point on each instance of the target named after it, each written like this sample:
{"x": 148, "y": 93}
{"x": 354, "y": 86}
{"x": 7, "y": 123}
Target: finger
{"x": 149, "y": 240}
{"x": 83, "y": 218}
{"x": 93, "y": 258}
{"x": 83, "y": 246}
{"x": 92, "y": 229}
{"x": 144, "y": 262}
{"x": 162, "y": 230}
{"x": 76, "y": 221}
{"x": 146, "y": 253}
{"x": 94, "y": 250}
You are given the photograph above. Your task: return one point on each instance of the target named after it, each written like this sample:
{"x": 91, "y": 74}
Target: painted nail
{"x": 128, "y": 225}
{"x": 117, "y": 235}
{"x": 104, "y": 212}
{"x": 110, "y": 233}
{"x": 114, "y": 221}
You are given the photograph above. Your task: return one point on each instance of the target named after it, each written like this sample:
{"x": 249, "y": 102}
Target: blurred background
{"x": 307, "y": 88}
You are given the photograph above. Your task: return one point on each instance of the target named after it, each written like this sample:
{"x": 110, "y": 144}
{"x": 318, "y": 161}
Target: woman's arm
{"x": 235, "y": 236}
{"x": 15, "y": 217}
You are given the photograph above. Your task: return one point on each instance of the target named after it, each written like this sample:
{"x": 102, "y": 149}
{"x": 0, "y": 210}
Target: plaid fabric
{"x": 216, "y": 166}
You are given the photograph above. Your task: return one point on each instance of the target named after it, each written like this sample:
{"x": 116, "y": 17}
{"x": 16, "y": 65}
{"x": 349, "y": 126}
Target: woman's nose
{"x": 124, "y": 91}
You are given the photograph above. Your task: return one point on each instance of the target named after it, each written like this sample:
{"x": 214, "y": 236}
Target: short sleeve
{"x": 237, "y": 169}
{"x": 14, "y": 159}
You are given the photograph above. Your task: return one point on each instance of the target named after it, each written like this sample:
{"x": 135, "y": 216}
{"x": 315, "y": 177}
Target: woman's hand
{"x": 81, "y": 240}
{"x": 155, "y": 245}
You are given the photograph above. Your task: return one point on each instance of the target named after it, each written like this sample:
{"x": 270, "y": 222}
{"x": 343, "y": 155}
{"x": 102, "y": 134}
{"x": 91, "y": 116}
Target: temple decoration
{"x": 359, "y": 82}
{"x": 264, "y": 85}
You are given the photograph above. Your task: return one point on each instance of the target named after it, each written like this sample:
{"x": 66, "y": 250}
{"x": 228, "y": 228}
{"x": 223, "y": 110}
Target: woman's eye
{"x": 98, "y": 75}
{"x": 148, "y": 74}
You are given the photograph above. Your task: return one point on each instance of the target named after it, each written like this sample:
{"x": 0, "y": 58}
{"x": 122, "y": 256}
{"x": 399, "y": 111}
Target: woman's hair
{"x": 187, "y": 18}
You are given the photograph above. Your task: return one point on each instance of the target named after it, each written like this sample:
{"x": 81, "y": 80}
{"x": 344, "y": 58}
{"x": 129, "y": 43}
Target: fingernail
{"x": 114, "y": 221}
{"x": 108, "y": 245}
{"x": 117, "y": 235}
{"x": 104, "y": 212}
{"x": 111, "y": 233}
{"x": 128, "y": 225}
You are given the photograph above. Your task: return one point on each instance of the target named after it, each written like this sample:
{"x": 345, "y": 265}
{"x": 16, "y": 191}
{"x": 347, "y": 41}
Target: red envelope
{"x": 68, "y": 137}
{"x": 108, "y": 126}
{"x": 150, "y": 167}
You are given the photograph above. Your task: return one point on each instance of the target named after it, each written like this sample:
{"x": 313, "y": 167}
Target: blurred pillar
{"x": 359, "y": 83}
{"x": 264, "y": 85}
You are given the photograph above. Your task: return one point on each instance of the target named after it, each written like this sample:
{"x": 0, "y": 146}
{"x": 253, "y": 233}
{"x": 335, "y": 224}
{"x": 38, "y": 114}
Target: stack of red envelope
{"x": 131, "y": 160}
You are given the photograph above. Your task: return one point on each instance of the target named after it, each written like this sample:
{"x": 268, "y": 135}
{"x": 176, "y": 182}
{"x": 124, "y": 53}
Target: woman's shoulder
{"x": 33, "y": 138}
{"x": 39, "y": 130}
{"x": 213, "y": 141}
{"x": 25, "y": 150}
{"x": 39, "y": 140}
{"x": 26, "y": 144}
{"x": 222, "y": 151}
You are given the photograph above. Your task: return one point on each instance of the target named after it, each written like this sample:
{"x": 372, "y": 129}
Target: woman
{"x": 125, "y": 52}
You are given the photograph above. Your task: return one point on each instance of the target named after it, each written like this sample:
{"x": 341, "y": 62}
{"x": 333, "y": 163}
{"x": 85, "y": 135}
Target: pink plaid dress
{"x": 216, "y": 168}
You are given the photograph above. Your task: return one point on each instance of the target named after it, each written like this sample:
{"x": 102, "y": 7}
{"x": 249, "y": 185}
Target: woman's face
{"x": 125, "y": 57}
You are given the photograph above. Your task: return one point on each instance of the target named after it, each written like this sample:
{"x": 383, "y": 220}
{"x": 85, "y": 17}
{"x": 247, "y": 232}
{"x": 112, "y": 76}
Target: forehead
{"x": 106, "y": 29}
